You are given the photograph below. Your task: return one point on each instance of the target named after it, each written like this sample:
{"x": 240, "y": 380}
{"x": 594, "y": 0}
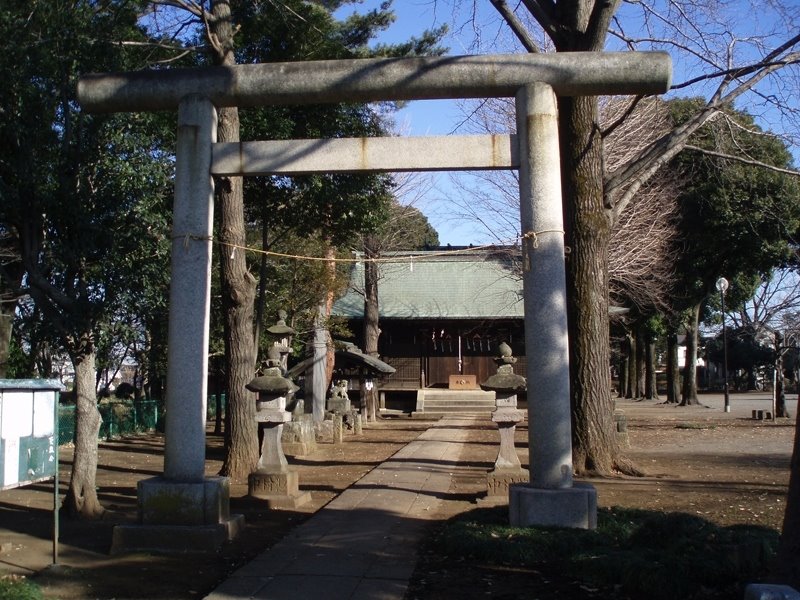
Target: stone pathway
{"x": 363, "y": 544}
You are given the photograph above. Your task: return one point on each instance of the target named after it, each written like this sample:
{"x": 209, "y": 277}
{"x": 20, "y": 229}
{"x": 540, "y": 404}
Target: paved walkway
{"x": 363, "y": 544}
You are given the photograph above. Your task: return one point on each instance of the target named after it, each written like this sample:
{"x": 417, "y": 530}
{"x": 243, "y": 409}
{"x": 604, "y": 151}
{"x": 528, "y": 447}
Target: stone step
{"x": 465, "y": 401}
{"x": 458, "y": 407}
{"x": 460, "y": 394}
{"x": 472, "y": 409}
{"x": 438, "y": 414}
{"x": 455, "y": 401}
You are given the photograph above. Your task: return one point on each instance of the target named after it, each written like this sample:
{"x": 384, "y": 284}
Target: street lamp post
{"x": 722, "y": 287}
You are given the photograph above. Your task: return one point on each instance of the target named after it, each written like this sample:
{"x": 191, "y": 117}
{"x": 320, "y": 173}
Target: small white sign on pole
{"x": 28, "y": 431}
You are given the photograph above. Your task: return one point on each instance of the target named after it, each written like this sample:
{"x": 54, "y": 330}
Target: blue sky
{"x": 429, "y": 117}
{"x": 443, "y": 117}
{"x": 437, "y": 117}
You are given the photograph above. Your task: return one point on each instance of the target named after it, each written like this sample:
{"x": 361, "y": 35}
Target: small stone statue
{"x": 339, "y": 401}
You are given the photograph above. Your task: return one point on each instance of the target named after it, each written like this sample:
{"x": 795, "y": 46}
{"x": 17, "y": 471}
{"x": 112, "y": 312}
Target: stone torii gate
{"x": 183, "y": 496}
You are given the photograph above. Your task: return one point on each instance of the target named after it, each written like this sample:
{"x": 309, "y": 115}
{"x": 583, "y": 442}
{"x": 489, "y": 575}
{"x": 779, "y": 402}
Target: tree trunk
{"x": 786, "y": 567}
{"x": 262, "y": 285}
{"x": 631, "y": 371}
{"x": 779, "y": 391}
{"x": 372, "y": 329}
{"x": 625, "y": 352}
{"x": 588, "y": 232}
{"x": 641, "y": 363}
{"x": 317, "y": 383}
{"x": 330, "y": 298}
{"x": 238, "y": 284}
{"x": 650, "y": 381}
{"x": 673, "y": 370}
{"x": 238, "y": 297}
{"x": 6, "y": 326}
{"x": 690, "y": 368}
{"x": 81, "y": 498}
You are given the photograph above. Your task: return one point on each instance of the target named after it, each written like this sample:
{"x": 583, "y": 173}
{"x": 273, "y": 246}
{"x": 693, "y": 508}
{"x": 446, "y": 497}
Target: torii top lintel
{"x": 367, "y": 80}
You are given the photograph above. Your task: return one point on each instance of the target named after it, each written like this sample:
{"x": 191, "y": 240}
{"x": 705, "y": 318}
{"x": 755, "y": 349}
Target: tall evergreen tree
{"x": 75, "y": 189}
{"x": 739, "y": 217}
{"x": 292, "y": 30}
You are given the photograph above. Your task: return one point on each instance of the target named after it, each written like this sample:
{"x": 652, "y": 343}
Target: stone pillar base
{"x": 179, "y": 517}
{"x": 574, "y": 507}
{"x": 280, "y": 489}
{"x": 175, "y": 539}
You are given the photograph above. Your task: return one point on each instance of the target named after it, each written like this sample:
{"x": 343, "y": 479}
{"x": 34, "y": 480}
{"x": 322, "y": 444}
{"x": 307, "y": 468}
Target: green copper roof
{"x": 474, "y": 284}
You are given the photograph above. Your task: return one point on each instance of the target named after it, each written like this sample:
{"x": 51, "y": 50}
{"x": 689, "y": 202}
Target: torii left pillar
{"x": 183, "y": 510}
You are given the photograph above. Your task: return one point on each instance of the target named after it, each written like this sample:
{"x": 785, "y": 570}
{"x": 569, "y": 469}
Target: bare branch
{"x": 516, "y": 25}
{"x": 743, "y": 160}
{"x": 190, "y": 6}
{"x": 611, "y": 127}
{"x": 543, "y": 11}
{"x": 602, "y": 14}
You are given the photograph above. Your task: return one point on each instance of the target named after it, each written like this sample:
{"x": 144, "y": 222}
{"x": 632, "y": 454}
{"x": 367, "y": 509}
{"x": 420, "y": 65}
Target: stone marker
{"x": 298, "y": 437}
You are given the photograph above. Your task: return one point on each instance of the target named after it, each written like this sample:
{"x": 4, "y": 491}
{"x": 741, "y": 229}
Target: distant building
{"x": 442, "y": 313}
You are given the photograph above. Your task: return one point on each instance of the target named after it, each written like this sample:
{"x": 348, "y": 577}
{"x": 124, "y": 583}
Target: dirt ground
{"x": 725, "y": 467}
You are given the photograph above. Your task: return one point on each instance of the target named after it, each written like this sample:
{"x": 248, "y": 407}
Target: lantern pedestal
{"x": 505, "y": 384}
{"x": 507, "y": 468}
{"x": 279, "y": 489}
{"x": 274, "y": 481}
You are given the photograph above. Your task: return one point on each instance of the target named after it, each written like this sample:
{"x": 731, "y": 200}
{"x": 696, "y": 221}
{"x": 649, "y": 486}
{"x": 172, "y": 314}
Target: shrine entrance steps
{"x": 435, "y": 402}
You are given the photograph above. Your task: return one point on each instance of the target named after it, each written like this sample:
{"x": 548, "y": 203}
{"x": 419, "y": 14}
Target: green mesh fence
{"x": 121, "y": 417}
{"x": 211, "y": 407}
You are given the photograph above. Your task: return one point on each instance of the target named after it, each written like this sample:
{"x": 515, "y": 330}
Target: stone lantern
{"x": 274, "y": 480}
{"x": 282, "y": 331}
{"x": 506, "y": 384}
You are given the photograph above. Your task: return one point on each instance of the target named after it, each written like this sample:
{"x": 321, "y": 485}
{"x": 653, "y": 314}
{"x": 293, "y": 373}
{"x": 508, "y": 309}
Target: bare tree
{"x": 772, "y": 307}
{"x": 727, "y": 66}
{"x": 642, "y": 247}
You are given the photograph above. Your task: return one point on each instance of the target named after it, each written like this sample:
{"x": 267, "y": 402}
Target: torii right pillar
{"x": 551, "y": 498}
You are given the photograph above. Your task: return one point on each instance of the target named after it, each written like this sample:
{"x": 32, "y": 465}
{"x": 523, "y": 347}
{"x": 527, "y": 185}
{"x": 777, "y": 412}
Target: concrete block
{"x": 175, "y": 539}
{"x": 264, "y": 484}
{"x": 508, "y": 415}
{"x": 338, "y": 429}
{"x": 509, "y": 401}
{"x": 574, "y": 507}
{"x": 166, "y": 502}
{"x": 324, "y": 432}
{"x": 298, "y": 437}
{"x": 358, "y": 423}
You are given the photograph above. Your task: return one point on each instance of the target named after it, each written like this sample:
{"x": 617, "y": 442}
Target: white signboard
{"x": 28, "y": 431}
